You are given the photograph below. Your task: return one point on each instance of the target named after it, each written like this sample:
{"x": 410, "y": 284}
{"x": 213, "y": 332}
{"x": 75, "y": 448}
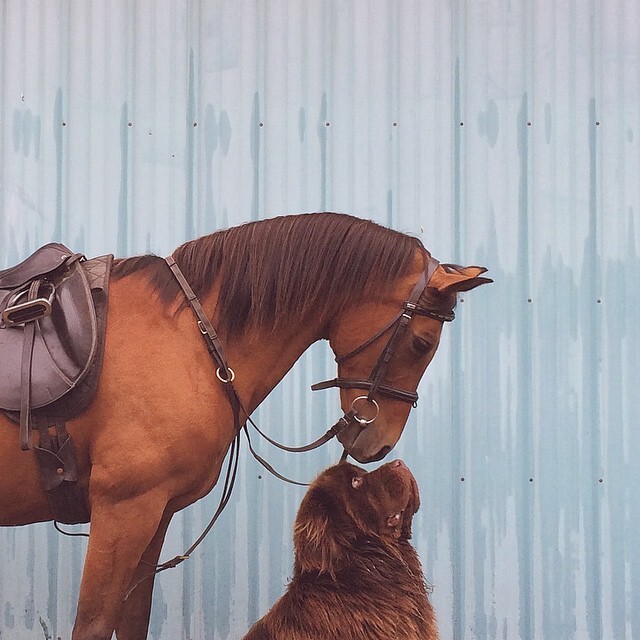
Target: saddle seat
{"x": 66, "y": 331}
{"x": 52, "y": 323}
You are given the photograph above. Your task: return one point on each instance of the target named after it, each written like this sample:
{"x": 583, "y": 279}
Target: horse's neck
{"x": 260, "y": 360}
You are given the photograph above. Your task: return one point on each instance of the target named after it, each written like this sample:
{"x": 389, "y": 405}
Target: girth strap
{"x": 57, "y": 465}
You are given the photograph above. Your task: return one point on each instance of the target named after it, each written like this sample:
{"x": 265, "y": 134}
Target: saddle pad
{"x": 65, "y": 341}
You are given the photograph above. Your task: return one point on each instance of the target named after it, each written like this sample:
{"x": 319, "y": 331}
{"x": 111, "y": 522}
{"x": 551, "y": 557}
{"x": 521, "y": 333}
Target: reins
{"x": 226, "y": 375}
{"x": 374, "y": 386}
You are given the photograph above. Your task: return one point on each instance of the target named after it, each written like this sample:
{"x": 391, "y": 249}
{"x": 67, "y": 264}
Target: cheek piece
{"x": 374, "y": 384}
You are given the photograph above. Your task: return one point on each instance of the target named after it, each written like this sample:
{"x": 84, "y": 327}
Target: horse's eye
{"x": 420, "y": 345}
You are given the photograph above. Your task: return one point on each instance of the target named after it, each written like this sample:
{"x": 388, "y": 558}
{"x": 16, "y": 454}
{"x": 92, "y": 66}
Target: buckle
{"x": 18, "y": 313}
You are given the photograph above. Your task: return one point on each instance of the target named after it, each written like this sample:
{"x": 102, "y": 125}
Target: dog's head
{"x": 346, "y": 505}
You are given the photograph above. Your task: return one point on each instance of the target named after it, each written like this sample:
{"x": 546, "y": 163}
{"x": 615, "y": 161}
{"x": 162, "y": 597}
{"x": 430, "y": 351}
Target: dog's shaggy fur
{"x": 356, "y": 576}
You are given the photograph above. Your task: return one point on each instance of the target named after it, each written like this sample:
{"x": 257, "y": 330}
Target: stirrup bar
{"x": 19, "y": 313}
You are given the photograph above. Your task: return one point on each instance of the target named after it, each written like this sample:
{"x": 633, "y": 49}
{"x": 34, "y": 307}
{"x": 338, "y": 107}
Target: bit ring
{"x": 365, "y": 421}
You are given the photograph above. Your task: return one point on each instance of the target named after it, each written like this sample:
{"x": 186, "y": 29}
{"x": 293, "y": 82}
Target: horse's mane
{"x": 286, "y": 269}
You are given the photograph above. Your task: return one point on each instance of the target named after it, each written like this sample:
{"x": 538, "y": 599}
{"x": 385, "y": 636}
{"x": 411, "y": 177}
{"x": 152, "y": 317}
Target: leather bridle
{"x": 374, "y": 386}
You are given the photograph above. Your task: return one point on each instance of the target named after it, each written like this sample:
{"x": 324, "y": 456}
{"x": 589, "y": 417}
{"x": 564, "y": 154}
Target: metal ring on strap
{"x": 231, "y": 378}
{"x": 364, "y": 421}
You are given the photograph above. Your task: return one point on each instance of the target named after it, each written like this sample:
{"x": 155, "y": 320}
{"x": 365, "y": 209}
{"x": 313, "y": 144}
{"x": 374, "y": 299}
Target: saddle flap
{"x": 45, "y": 260}
{"x": 65, "y": 340}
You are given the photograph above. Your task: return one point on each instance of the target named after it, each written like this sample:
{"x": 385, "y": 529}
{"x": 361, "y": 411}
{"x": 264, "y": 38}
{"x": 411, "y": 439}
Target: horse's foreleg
{"x": 121, "y": 532}
{"x": 133, "y": 621}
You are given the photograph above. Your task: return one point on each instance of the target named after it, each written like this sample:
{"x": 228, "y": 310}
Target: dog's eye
{"x": 356, "y": 482}
{"x": 420, "y": 345}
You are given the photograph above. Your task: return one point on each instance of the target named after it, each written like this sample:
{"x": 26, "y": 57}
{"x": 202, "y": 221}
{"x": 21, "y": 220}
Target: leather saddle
{"x": 52, "y": 322}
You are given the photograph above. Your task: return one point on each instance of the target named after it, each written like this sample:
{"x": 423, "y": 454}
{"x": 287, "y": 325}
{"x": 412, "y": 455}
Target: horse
{"x": 155, "y": 436}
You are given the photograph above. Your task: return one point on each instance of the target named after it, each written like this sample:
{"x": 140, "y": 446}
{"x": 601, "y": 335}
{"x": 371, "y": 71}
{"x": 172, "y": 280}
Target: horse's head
{"x": 383, "y": 349}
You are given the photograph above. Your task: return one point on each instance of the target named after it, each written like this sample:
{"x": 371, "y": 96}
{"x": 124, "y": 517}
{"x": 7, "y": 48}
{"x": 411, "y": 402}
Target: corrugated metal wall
{"x": 502, "y": 132}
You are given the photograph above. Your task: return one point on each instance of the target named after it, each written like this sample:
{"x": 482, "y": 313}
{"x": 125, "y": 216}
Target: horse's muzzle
{"x": 363, "y": 443}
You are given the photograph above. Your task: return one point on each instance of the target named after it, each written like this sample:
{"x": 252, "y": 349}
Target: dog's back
{"x": 380, "y": 598}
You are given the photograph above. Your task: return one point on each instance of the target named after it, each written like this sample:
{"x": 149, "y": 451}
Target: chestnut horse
{"x": 155, "y": 437}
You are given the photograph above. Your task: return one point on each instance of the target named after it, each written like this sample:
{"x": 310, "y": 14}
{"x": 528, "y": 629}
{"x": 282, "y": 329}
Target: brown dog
{"x": 355, "y": 577}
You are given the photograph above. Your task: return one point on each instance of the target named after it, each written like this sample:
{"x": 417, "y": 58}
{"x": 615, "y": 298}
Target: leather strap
{"x": 343, "y": 422}
{"x": 370, "y": 341}
{"x": 224, "y": 373}
{"x": 206, "y": 328}
{"x": 217, "y": 352}
{"x": 28, "y": 340}
{"x": 374, "y": 384}
{"x": 380, "y": 369}
{"x": 383, "y": 389}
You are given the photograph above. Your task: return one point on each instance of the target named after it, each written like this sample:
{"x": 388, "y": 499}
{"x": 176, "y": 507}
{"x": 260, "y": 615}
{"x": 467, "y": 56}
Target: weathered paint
{"x": 501, "y": 133}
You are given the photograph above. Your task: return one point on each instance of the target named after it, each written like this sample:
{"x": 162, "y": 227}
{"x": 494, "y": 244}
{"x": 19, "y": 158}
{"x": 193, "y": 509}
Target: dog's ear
{"x": 320, "y": 542}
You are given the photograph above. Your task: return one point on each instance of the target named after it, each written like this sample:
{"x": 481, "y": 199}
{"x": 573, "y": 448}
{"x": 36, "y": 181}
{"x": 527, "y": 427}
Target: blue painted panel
{"x": 501, "y": 133}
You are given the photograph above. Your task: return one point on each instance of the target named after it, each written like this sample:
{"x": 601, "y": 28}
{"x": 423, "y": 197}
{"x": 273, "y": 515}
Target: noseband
{"x": 374, "y": 384}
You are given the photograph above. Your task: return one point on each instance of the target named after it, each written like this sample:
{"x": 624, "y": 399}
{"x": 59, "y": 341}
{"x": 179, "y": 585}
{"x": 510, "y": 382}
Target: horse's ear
{"x": 450, "y": 278}
{"x": 319, "y": 544}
